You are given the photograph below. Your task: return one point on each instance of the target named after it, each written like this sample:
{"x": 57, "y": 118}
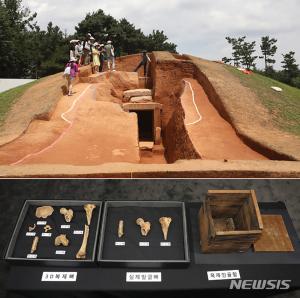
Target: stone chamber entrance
{"x": 145, "y": 124}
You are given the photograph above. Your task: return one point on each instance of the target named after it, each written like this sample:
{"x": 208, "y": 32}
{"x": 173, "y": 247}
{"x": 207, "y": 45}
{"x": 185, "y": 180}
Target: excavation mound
{"x": 188, "y": 112}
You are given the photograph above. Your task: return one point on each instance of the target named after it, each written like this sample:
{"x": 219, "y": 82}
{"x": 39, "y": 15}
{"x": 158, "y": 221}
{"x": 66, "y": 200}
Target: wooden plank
{"x": 259, "y": 218}
{"x": 274, "y": 236}
{"x": 238, "y": 233}
{"x": 226, "y": 191}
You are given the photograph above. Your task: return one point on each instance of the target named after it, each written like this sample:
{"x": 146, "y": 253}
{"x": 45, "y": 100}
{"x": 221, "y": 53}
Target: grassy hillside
{"x": 284, "y": 106}
{"x": 9, "y": 97}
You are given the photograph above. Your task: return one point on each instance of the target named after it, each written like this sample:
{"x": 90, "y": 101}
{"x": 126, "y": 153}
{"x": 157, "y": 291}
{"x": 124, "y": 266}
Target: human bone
{"x": 32, "y": 228}
{"x": 121, "y": 228}
{"x": 44, "y": 211}
{"x": 165, "y": 224}
{"x": 61, "y": 240}
{"x": 82, "y": 251}
{"x": 34, "y": 244}
{"x": 145, "y": 226}
{"x": 68, "y": 214}
{"x": 47, "y": 228}
{"x": 89, "y": 212}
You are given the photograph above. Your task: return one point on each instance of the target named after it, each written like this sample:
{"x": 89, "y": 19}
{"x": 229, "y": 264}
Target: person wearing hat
{"x": 110, "y": 55}
{"x": 87, "y": 48}
{"x": 144, "y": 62}
{"x": 78, "y": 52}
{"x": 96, "y": 60}
{"x": 70, "y": 73}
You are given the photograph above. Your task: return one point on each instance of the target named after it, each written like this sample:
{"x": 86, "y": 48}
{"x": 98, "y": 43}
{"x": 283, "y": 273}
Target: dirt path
{"x": 86, "y": 129}
{"x": 212, "y": 136}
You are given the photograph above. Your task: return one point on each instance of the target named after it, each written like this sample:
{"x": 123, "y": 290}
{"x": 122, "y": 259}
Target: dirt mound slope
{"x": 241, "y": 107}
{"x": 38, "y": 102}
{"x": 90, "y": 121}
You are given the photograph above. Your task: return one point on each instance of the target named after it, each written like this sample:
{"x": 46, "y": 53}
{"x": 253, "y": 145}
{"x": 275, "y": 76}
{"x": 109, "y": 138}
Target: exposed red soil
{"x": 95, "y": 131}
{"x": 212, "y": 136}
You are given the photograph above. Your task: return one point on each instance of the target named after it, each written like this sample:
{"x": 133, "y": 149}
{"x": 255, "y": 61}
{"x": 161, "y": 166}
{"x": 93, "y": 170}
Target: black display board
{"x": 157, "y": 251}
{"x": 21, "y": 242}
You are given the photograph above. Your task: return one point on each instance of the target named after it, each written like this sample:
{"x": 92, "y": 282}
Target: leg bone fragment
{"x": 61, "y": 240}
{"x": 121, "y": 228}
{"x": 82, "y": 251}
{"x": 165, "y": 224}
{"x": 89, "y": 212}
{"x": 68, "y": 214}
{"x": 44, "y": 211}
{"x": 145, "y": 226}
{"x": 34, "y": 244}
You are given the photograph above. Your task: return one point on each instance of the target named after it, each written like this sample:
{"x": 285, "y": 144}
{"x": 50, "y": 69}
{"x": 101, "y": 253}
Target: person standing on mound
{"x": 110, "y": 55}
{"x": 70, "y": 74}
{"x": 96, "y": 55}
{"x": 144, "y": 62}
{"x": 102, "y": 57}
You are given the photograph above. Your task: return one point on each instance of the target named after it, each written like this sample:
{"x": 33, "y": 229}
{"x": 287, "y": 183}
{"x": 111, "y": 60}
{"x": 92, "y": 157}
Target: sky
{"x": 198, "y": 27}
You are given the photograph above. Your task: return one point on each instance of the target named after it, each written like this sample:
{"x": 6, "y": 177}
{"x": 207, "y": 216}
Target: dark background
{"x": 14, "y": 192}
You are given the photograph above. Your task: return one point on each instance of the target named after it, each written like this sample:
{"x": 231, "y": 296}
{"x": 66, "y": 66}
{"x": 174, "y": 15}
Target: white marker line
{"x": 193, "y": 96}
{"x": 61, "y": 136}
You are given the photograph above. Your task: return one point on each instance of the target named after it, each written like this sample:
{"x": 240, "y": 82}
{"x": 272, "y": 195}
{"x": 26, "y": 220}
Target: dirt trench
{"x": 177, "y": 86}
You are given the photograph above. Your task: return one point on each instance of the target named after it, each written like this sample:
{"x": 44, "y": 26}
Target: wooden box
{"x": 230, "y": 221}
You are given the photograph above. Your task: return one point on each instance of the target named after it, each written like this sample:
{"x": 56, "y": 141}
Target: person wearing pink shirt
{"x": 70, "y": 73}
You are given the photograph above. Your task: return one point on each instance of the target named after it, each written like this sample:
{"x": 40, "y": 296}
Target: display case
{"x": 144, "y": 234}
{"x": 52, "y": 232}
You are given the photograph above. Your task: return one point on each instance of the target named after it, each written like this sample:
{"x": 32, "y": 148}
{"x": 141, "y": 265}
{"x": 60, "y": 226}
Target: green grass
{"x": 283, "y": 106}
{"x": 9, "y": 97}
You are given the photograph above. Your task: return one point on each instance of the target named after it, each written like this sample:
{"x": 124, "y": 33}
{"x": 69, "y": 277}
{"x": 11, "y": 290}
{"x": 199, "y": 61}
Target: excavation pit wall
{"x": 167, "y": 72}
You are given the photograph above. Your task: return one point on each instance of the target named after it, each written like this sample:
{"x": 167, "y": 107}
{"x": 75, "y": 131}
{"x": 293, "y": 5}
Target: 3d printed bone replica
{"x": 44, "y": 211}
{"x": 31, "y": 228}
{"x": 165, "y": 224}
{"x": 61, "y": 240}
{"x": 121, "y": 228}
{"x": 82, "y": 251}
{"x": 34, "y": 244}
{"x": 89, "y": 212}
{"x": 145, "y": 226}
{"x": 47, "y": 228}
{"x": 68, "y": 214}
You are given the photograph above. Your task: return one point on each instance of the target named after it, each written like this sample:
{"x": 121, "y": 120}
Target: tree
{"x": 289, "y": 65}
{"x": 26, "y": 51}
{"x": 126, "y": 38}
{"x": 236, "y": 44}
{"x": 226, "y": 60}
{"x": 157, "y": 41}
{"x": 242, "y": 52}
{"x": 268, "y": 48}
{"x": 247, "y": 57}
